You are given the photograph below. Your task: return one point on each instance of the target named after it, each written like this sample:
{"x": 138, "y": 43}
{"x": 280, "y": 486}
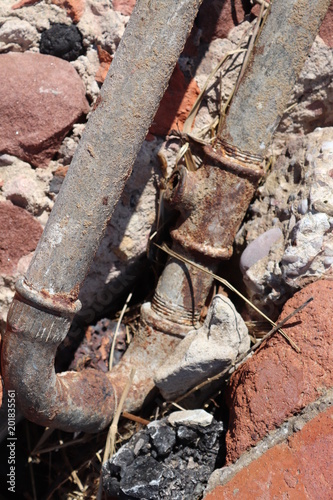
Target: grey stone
{"x": 17, "y": 35}
{"x": 259, "y": 248}
{"x": 206, "y": 351}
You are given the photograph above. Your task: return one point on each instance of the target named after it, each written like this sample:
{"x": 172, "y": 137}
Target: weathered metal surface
{"x": 41, "y": 312}
{"x": 212, "y": 200}
{"x": 182, "y": 290}
{"x": 134, "y": 86}
{"x": 275, "y": 63}
{"x": 69, "y": 401}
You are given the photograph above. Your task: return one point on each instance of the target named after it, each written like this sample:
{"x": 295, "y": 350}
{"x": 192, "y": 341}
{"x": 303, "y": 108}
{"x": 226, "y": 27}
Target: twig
{"x": 176, "y": 405}
{"x": 166, "y": 249}
{"x": 241, "y": 359}
{"x": 117, "y": 331}
{"x": 135, "y": 418}
{"x": 60, "y": 445}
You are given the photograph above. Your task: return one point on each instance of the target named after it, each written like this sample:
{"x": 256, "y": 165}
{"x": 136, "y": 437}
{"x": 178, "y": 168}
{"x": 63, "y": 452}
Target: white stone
{"x": 190, "y": 417}
{"x": 297, "y": 197}
{"x": 25, "y": 186}
{"x": 204, "y": 352}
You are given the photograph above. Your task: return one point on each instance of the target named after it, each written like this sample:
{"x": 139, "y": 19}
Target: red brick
{"x": 278, "y": 382}
{"x": 301, "y": 468}
{"x": 105, "y": 60}
{"x": 176, "y": 104}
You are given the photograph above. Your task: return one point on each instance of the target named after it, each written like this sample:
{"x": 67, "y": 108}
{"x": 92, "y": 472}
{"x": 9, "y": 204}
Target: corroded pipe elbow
{"x": 72, "y": 401}
{"x": 36, "y": 326}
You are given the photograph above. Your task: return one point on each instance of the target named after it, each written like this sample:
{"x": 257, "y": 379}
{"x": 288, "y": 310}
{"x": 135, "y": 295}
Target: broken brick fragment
{"x": 176, "y": 104}
{"x": 277, "y": 381}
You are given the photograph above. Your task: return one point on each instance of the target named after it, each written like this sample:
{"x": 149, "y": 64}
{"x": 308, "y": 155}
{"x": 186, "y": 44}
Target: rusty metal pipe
{"x": 46, "y": 300}
{"x": 275, "y": 63}
{"x": 213, "y": 200}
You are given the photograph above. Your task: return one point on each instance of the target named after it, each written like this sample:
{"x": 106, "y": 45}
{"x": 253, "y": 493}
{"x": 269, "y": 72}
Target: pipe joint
{"x": 213, "y": 200}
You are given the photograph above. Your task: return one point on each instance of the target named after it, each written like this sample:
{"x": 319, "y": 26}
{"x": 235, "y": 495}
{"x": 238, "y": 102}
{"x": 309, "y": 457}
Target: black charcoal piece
{"x": 62, "y": 41}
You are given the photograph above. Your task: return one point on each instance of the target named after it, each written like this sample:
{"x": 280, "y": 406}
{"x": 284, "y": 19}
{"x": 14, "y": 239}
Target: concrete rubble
{"x": 113, "y": 272}
{"x": 293, "y": 212}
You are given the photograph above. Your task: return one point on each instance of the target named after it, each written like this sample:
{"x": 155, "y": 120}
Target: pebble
{"x": 259, "y": 248}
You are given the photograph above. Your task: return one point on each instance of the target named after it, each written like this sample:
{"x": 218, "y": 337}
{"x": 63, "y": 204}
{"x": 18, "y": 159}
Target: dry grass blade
{"x": 185, "y": 152}
{"x": 259, "y": 24}
{"x": 45, "y": 436}
{"x": 191, "y": 117}
{"x": 117, "y": 331}
{"x": 111, "y": 437}
{"x": 50, "y": 495}
{"x": 241, "y": 359}
{"x": 250, "y": 47}
{"x": 224, "y": 282}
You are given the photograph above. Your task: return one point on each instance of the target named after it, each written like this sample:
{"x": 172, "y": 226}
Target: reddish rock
{"x": 326, "y": 29}
{"x": 217, "y": 17}
{"x": 301, "y": 468}
{"x": 19, "y": 235}
{"x": 41, "y": 98}
{"x": 278, "y": 382}
{"x": 24, "y": 3}
{"x": 176, "y": 104}
{"x": 105, "y": 60}
{"x": 74, "y": 8}
{"x": 125, "y": 7}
